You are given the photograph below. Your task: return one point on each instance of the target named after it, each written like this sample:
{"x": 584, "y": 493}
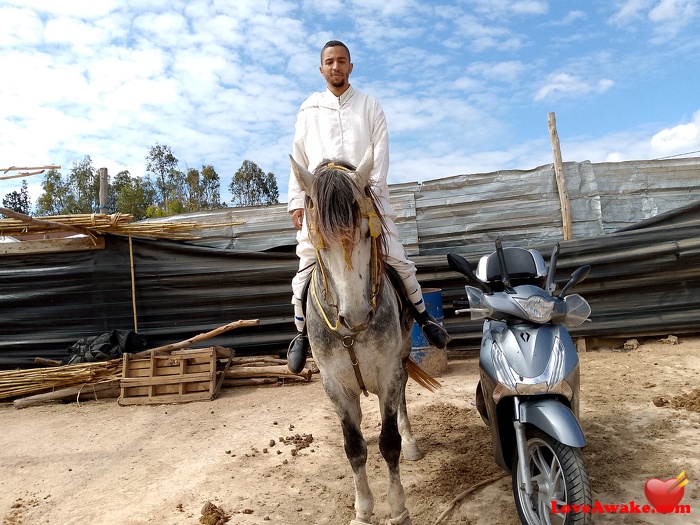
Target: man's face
{"x": 336, "y": 68}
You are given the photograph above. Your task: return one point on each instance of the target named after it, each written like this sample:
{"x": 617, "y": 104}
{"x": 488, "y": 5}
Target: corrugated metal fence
{"x": 520, "y": 206}
{"x": 645, "y": 281}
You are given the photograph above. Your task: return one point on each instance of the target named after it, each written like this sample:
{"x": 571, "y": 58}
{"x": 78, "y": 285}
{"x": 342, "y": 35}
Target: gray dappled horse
{"x": 360, "y": 335}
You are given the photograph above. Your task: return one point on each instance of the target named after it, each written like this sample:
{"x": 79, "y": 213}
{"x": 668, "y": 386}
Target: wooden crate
{"x": 177, "y": 377}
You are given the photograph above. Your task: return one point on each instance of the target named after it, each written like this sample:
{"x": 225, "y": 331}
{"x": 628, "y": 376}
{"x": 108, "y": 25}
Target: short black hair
{"x": 335, "y": 43}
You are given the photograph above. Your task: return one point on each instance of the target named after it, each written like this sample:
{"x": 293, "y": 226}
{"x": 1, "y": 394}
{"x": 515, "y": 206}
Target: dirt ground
{"x": 275, "y": 454}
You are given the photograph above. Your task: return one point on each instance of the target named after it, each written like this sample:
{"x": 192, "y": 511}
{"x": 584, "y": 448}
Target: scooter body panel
{"x": 528, "y": 349}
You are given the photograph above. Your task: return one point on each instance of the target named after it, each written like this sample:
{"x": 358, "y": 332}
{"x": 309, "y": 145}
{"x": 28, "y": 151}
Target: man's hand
{"x": 298, "y": 217}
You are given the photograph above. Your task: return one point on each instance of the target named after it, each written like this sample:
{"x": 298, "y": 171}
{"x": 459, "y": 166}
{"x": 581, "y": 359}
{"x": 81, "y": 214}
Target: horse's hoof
{"x": 359, "y": 522}
{"x": 401, "y": 519}
{"x": 411, "y": 452}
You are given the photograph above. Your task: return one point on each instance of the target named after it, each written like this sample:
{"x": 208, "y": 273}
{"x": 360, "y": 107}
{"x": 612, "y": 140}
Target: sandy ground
{"x": 99, "y": 463}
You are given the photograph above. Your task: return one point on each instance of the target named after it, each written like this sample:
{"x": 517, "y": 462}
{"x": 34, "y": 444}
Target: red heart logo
{"x": 661, "y": 496}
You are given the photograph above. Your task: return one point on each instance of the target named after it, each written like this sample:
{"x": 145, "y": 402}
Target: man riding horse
{"x": 340, "y": 123}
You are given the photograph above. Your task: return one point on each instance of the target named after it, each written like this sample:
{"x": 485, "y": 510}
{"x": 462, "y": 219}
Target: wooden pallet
{"x": 176, "y": 377}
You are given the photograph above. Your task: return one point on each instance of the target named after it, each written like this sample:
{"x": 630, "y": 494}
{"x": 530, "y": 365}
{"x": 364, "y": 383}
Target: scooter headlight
{"x": 537, "y": 308}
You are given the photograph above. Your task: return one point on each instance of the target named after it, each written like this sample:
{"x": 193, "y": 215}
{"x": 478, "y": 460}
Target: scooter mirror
{"x": 460, "y": 265}
{"x": 579, "y": 275}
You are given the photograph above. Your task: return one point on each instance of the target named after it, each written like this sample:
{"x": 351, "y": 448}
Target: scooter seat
{"x": 523, "y": 266}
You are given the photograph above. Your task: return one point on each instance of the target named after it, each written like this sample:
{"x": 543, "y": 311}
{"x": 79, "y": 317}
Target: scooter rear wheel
{"x": 559, "y": 481}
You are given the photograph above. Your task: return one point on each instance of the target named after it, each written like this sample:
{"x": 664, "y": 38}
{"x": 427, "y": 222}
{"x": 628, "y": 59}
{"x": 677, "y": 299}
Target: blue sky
{"x": 466, "y": 85}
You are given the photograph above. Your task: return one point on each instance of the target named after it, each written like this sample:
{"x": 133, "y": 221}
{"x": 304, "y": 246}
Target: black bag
{"x": 103, "y": 347}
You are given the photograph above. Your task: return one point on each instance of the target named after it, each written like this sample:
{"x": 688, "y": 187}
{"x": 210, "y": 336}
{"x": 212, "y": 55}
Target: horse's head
{"x": 345, "y": 227}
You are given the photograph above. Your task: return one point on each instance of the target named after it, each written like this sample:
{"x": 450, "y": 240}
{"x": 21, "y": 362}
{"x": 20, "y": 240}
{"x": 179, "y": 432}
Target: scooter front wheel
{"x": 559, "y": 481}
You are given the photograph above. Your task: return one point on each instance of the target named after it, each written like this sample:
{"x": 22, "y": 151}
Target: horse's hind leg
{"x": 350, "y": 415}
{"x": 390, "y": 447}
{"x": 409, "y": 445}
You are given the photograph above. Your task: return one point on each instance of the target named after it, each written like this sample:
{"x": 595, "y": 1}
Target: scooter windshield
{"x": 577, "y": 310}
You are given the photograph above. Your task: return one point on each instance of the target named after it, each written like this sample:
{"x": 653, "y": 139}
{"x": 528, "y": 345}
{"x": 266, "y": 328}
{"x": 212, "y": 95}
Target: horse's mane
{"x": 337, "y": 215}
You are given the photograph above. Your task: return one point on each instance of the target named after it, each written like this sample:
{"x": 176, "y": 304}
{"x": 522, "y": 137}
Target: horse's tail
{"x": 421, "y": 377}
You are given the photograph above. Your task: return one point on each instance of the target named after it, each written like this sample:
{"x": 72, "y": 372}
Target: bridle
{"x": 367, "y": 211}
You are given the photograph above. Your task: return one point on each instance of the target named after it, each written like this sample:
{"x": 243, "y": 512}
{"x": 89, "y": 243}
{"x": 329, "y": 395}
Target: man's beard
{"x": 338, "y": 83}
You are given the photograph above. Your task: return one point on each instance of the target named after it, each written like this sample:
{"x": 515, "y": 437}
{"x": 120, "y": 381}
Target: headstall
{"x": 368, "y": 211}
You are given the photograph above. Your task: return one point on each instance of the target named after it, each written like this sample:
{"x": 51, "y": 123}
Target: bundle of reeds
{"x": 97, "y": 223}
{"x": 14, "y": 383}
{"x": 65, "y": 381}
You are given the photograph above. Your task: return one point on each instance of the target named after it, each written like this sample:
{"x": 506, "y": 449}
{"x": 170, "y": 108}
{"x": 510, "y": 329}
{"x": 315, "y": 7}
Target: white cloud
{"x": 499, "y": 8}
{"x": 74, "y": 32}
{"x": 85, "y": 9}
{"x": 564, "y": 84}
{"x": 530, "y": 7}
{"x": 221, "y": 29}
{"x": 509, "y": 71}
{"x": 166, "y": 29}
{"x": 481, "y": 36}
{"x": 629, "y": 12}
{"x": 680, "y": 139}
{"x": 573, "y": 16}
{"x": 666, "y": 17}
{"x": 672, "y": 10}
{"x": 670, "y": 17}
{"x": 19, "y": 26}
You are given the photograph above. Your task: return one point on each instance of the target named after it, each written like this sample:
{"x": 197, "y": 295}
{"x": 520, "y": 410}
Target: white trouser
{"x": 395, "y": 257}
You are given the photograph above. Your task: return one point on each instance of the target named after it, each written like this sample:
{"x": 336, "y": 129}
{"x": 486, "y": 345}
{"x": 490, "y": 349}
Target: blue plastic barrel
{"x": 431, "y": 359}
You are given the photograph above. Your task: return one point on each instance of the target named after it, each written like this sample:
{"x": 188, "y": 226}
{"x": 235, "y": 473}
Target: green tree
{"x": 202, "y": 189}
{"x": 176, "y": 192}
{"x": 57, "y": 196}
{"x": 161, "y": 162}
{"x": 79, "y": 192}
{"x": 132, "y": 195}
{"x": 85, "y": 186}
{"x": 18, "y": 200}
{"x": 251, "y": 187}
{"x": 211, "y": 183}
{"x": 193, "y": 190}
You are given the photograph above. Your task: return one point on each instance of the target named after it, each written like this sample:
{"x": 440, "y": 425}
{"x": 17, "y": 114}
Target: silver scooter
{"x": 528, "y": 393}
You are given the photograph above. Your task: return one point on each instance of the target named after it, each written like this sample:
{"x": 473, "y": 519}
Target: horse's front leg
{"x": 390, "y": 447}
{"x": 350, "y": 414}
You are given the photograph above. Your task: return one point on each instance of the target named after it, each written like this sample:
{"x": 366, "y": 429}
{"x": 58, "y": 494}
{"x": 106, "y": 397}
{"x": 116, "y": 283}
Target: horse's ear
{"x": 365, "y": 168}
{"x": 304, "y": 176}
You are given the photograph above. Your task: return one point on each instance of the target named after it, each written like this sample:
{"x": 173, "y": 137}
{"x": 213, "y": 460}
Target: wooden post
{"x": 104, "y": 186}
{"x": 561, "y": 181}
